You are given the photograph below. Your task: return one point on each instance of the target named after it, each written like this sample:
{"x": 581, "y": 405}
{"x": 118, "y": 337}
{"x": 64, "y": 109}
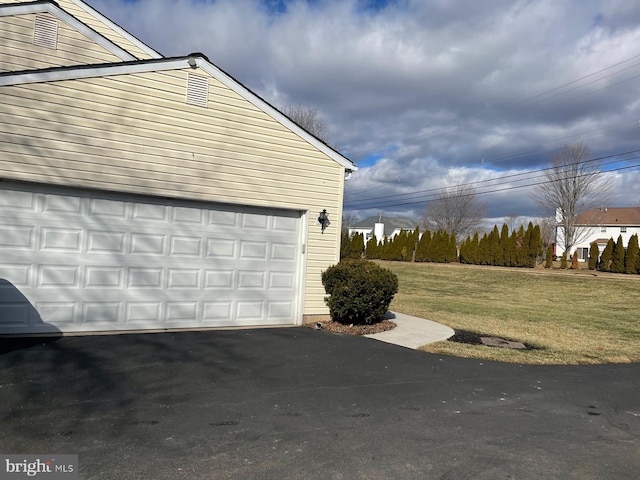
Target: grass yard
{"x": 574, "y": 317}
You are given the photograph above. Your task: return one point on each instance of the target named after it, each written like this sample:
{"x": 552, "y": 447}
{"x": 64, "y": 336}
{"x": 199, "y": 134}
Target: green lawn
{"x": 573, "y": 316}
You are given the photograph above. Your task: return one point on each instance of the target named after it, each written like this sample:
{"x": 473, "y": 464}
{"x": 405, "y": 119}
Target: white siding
{"x": 589, "y": 235}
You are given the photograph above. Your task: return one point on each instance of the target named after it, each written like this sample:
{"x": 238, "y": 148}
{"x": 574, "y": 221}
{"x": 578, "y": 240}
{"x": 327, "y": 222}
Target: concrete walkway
{"x": 412, "y": 332}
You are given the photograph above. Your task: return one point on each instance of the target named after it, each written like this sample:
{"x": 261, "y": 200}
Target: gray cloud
{"x": 424, "y": 93}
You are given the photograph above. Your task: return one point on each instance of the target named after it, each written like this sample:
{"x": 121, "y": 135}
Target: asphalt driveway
{"x": 294, "y": 403}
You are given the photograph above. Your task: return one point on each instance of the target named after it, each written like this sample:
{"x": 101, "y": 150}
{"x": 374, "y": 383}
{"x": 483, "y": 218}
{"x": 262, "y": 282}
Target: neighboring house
{"x": 381, "y": 227}
{"x": 599, "y": 225}
{"x": 142, "y": 192}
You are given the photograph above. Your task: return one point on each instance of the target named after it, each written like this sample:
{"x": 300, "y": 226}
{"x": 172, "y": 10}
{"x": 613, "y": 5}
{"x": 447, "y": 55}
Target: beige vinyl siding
{"x": 103, "y": 29}
{"x": 134, "y": 133}
{"x": 17, "y": 51}
{"x": 100, "y": 27}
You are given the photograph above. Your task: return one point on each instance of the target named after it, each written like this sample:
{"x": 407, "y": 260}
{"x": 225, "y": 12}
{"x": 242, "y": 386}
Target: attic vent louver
{"x": 45, "y": 33}
{"x": 197, "y": 90}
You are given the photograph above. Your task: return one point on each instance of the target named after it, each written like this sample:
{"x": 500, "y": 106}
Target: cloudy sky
{"x": 427, "y": 94}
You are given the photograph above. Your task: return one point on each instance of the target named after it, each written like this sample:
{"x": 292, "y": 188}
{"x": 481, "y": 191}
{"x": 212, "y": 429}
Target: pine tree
{"x": 494, "y": 246}
{"x": 372, "y": 251}
{"x": 422, "y": 250}
{"x": 399, "y": 243}
{"x": 574, "y": 261}
{"x": 413, "y": 244}
{"x": 357, "y": 245}
{"x": 437, "y": 244}
{"x": 632, "y": 257}
{"x": 510, "y": 251}
{"x": 528, "y": 260}
{"x": 521, "y": 257}
{"x": 505, "y": 254}
{"x": 464, "y": 248}
{"x": 617, "y": 260}
{"x": 473, "y": 249}
{"x": 594, "y": 253}
{"x": 452, "y": 251}
{"x": 549, "y": 258}
{"x": 535, "y": 246}
{"x": 563, "y": 261}
{"x": 607, "y": 254}
{"x": 345, "y": 245}
{"x": 483, "y": 251}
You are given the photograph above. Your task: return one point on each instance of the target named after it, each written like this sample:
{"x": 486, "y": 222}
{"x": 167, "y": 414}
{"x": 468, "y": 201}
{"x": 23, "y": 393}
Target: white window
{"x": 603, "y": 229}
{"x": 623, "y": 229}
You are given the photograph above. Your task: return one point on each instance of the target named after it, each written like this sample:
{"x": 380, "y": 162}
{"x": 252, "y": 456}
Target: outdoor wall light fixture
{"x": 323, "y": 220}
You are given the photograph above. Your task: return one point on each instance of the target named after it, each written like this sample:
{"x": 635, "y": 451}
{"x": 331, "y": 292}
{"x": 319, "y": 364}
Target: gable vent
{"x": 45, "y": 33}
{"x": 198, "y": 90}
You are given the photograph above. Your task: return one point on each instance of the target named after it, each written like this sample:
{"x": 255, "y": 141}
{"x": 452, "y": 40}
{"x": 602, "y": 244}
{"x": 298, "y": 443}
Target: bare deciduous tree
{"x": 308, "y": 118}
{"x": 456, "y": 210}
{"x": 348, "y": 220}
{"x": 513, "y": 221}
{"x": 573, "y": 185}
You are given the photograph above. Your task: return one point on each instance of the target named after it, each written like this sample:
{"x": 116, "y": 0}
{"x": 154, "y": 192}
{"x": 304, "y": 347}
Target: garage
{"x": 78, "y": 260}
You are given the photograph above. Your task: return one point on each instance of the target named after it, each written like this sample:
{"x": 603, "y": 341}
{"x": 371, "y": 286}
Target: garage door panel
{"x": 105, "y": 242}
{"x": 221, "y": 248}
{"x": 80, "y": 262}
{"x": 61, "y": 204}
{"x": 17, "y": 237}
{"x": 223, "y": 218}
{"x": 61, "y": 239}
{"x": 219, "y": 279}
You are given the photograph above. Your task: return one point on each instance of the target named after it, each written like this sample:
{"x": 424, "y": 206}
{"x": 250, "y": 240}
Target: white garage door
{"x": 77, "y": 261}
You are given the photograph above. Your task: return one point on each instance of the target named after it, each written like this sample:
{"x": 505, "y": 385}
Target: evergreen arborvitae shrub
{"x": 617, "y": 259}
{"x": 345, "y": 245}
{"x": 549, "y": 259}
{"x": 535, "y": 246}
{"x": 632, "y": 257}
{"x": 574, "y": 261}
{"x": 594, "y": 253}
{"x": 372, "y": 250}
{"x": 563, "y": 261}
{"x": 357, "y": 245}
{"x": 359, "y": 291}
{"x": 423, "y": 247}
{"x": 607, "y": 255}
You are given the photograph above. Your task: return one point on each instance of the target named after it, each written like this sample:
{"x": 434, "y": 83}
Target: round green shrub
{"x": 359, "y": 291}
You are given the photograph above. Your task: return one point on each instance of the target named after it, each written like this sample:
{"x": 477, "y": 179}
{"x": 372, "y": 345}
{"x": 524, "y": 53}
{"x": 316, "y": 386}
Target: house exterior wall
{"x": 135, "y": 133}
{"x": 76, "y": 9}
{"x": 590, "y": 234}
{"x": 17, "y": 51}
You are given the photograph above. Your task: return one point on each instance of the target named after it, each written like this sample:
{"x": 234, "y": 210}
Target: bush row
{"x": 521, "y": 248}
{"x": 615, "y": 258}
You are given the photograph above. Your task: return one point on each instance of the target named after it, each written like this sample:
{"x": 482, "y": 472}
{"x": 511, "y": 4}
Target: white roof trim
{"x": 91, "y": 71}
{"x": 53, "y": 9}
{"x": 118, "y": 29}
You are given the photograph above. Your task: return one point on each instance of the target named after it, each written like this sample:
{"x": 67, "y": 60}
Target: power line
{"x": 503, "y": 177}
{"x": 513, "y": 187}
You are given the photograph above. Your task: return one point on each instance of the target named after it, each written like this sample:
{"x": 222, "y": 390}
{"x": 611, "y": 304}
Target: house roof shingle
{"x": 629, "y": 216}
